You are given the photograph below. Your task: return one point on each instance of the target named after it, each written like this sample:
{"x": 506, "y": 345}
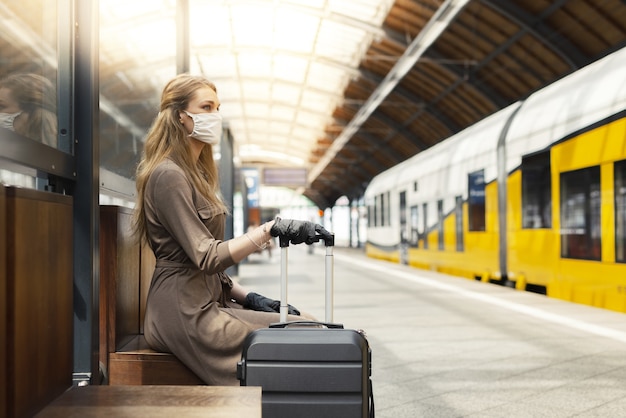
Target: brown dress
{"x": 189, "y": 312}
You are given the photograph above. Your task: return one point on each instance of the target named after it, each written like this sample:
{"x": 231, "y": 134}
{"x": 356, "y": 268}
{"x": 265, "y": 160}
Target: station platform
{"x": 444, "y": 346}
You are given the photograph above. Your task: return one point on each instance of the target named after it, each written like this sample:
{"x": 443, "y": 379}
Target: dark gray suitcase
{"x": 305, "y": 371}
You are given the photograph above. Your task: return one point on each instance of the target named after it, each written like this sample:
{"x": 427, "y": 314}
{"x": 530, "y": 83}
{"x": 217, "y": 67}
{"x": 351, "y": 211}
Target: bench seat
{"x": 137, "y": 364}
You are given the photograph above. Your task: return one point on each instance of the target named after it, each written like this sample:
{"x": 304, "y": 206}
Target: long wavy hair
{"x": 168, "y": 138}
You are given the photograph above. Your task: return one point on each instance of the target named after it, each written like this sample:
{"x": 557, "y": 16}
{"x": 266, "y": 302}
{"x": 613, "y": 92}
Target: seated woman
{"x": 194, "y": 310}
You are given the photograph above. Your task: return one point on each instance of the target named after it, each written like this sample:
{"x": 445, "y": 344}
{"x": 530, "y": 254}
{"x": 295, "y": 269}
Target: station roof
{"x": 343, "y": 89}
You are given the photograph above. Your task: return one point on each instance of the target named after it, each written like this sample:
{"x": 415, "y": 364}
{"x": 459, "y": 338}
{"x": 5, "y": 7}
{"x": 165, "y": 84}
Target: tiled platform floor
{"x": 451, "y": 347}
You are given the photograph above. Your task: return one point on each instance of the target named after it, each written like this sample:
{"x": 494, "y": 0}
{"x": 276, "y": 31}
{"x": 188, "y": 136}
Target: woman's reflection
{"x": 28, "y": 107}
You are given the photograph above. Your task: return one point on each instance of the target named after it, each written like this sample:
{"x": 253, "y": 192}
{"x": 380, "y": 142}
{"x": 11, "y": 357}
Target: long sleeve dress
{"x": 189, "y": 312}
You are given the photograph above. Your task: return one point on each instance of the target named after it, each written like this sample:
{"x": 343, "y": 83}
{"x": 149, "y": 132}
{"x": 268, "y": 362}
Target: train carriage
{"x": 532, "y": 196}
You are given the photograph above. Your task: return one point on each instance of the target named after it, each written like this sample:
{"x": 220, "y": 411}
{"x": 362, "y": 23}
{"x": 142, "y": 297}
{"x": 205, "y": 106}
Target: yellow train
{"x": 533, "y": 196}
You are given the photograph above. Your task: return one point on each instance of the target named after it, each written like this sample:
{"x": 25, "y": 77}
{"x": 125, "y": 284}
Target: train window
{"x": 476, "y": 200}
{"x": 580, "y": 214}
{"x": 388, "y": 209}
{"x": 382, "y": 209}
{"x": 425, "y": 224}
{"x": 404, "y": 226}
{"x": 414, "y": 227}
{"x": 536, "y": 191}
{"x": 458, "y": 214}
{"x": 440, "y": 223}
{"x": 620, "y": 211}
{"x": 375, "y": 214}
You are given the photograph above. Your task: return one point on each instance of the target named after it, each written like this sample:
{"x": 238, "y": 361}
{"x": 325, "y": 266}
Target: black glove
{"x": 258, "y": 302}
{"x": 298, "y": 231}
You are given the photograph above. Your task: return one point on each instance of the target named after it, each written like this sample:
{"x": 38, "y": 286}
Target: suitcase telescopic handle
{"x": 329, "y": 242}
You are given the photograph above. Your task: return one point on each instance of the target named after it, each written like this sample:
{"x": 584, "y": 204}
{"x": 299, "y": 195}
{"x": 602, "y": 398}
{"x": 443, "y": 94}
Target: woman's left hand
{"x": 258, "y": 302}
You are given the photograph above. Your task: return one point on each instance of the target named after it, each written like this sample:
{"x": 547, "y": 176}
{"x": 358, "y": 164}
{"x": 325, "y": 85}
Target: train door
{"x": 404, "y": 230}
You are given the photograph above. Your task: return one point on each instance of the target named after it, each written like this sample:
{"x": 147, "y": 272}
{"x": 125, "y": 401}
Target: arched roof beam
{"x": 377, "y": 143}
{"x": 407, "y": 95}
{"x": 533, "y": 25}
{"x": 496, "y": 99}
{"x": 340, "y": 187}
{"x": 430, "y": 33}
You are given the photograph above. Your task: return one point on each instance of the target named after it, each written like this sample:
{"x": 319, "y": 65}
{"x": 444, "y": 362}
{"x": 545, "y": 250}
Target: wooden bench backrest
{"x": 125, "y": 274}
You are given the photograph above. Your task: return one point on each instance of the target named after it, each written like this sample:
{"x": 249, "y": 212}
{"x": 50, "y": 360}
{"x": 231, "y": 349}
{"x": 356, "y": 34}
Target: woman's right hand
{"x": 299, "y": 231}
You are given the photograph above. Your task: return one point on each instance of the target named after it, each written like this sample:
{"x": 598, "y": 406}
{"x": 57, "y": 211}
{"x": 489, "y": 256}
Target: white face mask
{"x": 6, "y": 120}
{"x": 207, "y": 127}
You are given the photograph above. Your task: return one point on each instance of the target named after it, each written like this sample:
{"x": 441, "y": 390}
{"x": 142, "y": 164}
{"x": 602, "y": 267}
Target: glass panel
{"x": 425, "y": 222}
{"x": 476, "y": 200}
{"x": 404, "y": 226}
{"x": 536, "y": 191}
{"x": 440, "y": 223}
{"x": 620, "y": 211}
{"x": 580, "y": 214}
{"x": 28, "y": 75}
{"x": 383, "y": 209}
{"x": 137, "y": 58}
{"x": 388, "y": 209}
{"x": 376, "y": 210}
{"x": 459, "y": 223}
{"x": 414, "y": 226}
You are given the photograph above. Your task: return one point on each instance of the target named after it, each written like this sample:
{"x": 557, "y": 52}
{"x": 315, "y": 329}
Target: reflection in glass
{"x": 137, "y": 57}
{"x": 29, "y": 50}
{"x": 28, "y": 107}
{"x": 28, "y": 77}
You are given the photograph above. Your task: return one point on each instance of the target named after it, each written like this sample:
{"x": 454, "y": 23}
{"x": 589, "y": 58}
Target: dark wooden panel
{"x": 147, "y": 268}
{"x": 119, "y": 278}
{"x": 127, "y": 279}
{"x": 4, "y": 381}
{"x": 39, "y": 292}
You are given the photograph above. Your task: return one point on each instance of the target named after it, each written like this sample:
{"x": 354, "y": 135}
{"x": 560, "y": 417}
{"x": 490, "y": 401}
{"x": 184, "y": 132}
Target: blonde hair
{"x": 168, "y": 138}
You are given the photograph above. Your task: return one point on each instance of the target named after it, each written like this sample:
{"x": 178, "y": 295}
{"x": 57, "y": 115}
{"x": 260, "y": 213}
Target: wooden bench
{"x": 125, "y": 274}
{"x": 157, "y": 402}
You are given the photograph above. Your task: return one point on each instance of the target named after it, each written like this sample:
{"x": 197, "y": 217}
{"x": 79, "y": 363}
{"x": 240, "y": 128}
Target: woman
{"x": 28, "y": 107}
{"x": 194, "y": 310}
